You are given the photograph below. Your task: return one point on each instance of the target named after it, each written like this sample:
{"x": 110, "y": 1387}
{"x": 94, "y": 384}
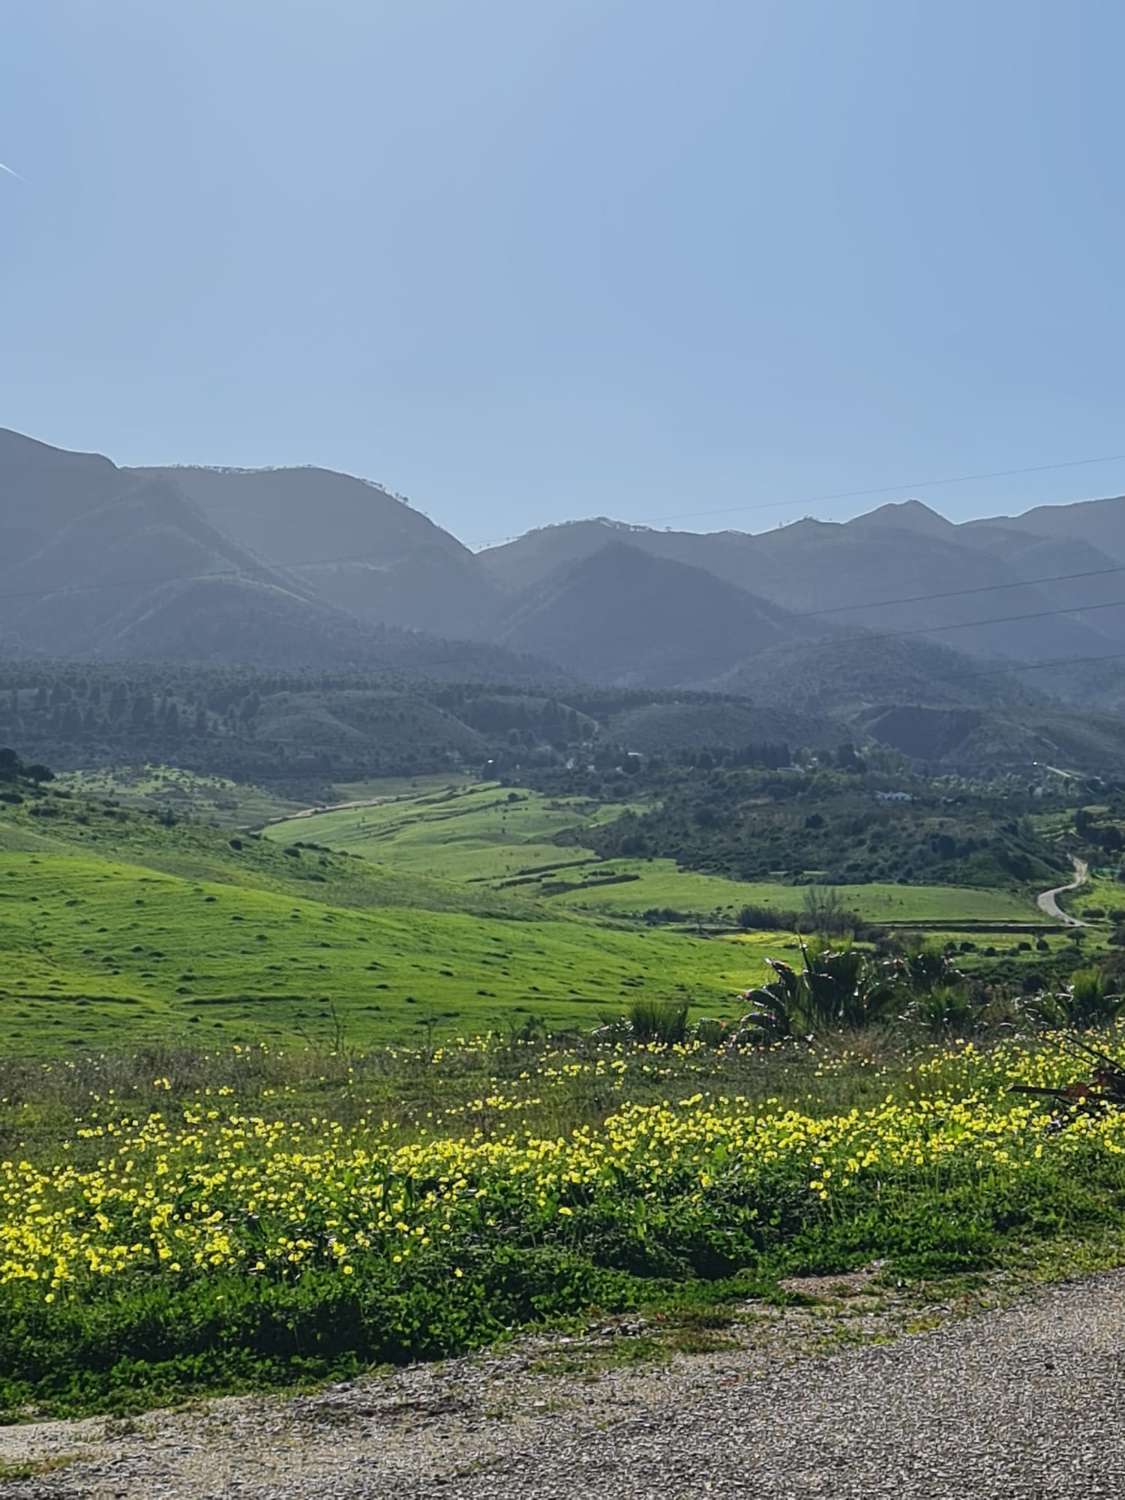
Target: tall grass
{"x": 659, "y": 1021}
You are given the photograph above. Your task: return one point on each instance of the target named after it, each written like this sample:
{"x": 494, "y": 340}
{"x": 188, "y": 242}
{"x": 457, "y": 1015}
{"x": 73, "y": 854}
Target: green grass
{"x": 479, "y": 833}
{"x": 659, "y": 883}
{"x": 398, "y": 786}
{"x": 1101, "y": 891}
{"x": 217, "y": 799}
{"x": 98, "y": 951}
{"x": 488, "y": 834}
{"x": 116, "y": 922}
{"x": 678, "y": 1227}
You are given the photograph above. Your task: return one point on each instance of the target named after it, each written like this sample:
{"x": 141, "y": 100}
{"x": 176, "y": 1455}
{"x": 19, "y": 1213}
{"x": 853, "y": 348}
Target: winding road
{"x": 1048, "y": 900}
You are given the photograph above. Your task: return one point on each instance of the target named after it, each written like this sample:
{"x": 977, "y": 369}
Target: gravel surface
{"x": 1024, "y": 1403}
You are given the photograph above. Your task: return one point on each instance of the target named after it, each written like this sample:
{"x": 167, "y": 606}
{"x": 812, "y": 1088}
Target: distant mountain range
{"x": 307, "y": 567}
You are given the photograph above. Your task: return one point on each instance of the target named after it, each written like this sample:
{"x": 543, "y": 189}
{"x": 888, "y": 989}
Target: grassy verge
{"x": 255, "y": 1219}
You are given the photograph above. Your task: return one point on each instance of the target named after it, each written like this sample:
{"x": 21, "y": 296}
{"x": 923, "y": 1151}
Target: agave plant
{"x": 1090, "y": 999}
{"x": 946, "y": 1009}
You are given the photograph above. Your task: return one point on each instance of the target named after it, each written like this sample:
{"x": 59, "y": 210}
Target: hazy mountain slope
{"x": 1099, "y": 523}
{"x": 854, "y": 571}
{"x": 972, "y": 738}
{"x": 382, "y": 560}
{"x": 84, "y": 541}
{"x": 622, "y": 616}
{"x": 98, "y": 560}
{"x": 661, "y": 728}
{"x": 346, "y": 720}
{"x": 855, "y": 673}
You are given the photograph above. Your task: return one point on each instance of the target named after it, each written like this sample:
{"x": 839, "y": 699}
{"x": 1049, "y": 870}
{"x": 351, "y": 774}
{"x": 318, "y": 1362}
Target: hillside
{"x": 969, "y": 738}
{"x": 664, "y": 728}
{"x": 82, "y": 544}
{"x": 842, "y": 574}
{"x": 623, "y": 616}
{"x": 755, "y": 825}
{"x": 97, "y": 561}
{"x": 119, "y": 923}
{"x": 382, "y": 560}
{"x": 854, "y": 673}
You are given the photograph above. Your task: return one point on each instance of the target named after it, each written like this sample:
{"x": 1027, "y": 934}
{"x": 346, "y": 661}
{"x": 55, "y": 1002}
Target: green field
{"x": 117, "y": 930}
{"x": 478, "y": 833}
{"x": 490, "y": 834}
{"x": 1103, "y": 892}
{"x": 216, "y": 799}
{"x": 447, "y": 909}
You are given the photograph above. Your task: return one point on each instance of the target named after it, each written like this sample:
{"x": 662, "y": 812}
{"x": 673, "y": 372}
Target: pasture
{"x": 486, "y": 834}
{"x": 102, "y": 952}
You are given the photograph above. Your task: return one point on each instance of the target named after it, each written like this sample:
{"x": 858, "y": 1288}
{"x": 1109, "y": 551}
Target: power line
{"x": 1036, "y": 614}
{"x": 156, "y": 580}
{"x": 825, "y": 499}
{"x": 984, "y": 588}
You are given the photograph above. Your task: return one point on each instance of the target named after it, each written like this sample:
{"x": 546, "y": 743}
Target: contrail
{"x": 11, "y": 171}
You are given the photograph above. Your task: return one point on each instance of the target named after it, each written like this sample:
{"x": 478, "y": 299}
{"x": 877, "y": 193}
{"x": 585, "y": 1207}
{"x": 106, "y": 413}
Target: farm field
{"x": 1102, "y": 892}
{"x": 483, "y": 832}
{"x": 658, "y": 882}
{"x": 492, "y": 834}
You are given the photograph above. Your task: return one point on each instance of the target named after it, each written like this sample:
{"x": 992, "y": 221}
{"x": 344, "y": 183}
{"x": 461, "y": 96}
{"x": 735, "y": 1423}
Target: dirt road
{"x": 1025, "y": 1403}
{"x": 1048, "y": 901}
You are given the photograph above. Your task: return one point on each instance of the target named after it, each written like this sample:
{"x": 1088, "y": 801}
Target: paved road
{"x": 1027, "y": 1403}
{"x": 1048, "y": 902}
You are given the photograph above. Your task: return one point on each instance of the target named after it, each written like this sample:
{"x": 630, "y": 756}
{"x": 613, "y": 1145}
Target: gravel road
{"x": 1048, "y": 901}
{"x": 1024, "y": 1403}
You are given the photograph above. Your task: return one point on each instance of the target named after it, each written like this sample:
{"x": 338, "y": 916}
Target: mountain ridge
{"x": 302, "y": 564}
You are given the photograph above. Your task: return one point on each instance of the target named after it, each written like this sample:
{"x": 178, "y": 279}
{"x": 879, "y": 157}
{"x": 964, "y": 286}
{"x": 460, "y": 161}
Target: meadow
{"x": 116, "y": 928}
{"x": 279, "y": 1106}
{"x": 179, "y": 1223}
{"x": 490, "y": 834}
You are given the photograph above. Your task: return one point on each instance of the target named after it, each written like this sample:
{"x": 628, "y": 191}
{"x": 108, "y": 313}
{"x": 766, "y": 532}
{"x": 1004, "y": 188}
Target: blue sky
{"x": 529, "y": 261}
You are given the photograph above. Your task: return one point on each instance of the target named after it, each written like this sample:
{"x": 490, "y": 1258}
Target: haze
{"x": 531, "y": 262}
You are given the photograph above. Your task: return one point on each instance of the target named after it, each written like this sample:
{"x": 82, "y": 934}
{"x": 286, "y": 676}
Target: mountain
{"x": 880, "y": 571}
{"x": 1098, "y": 523}
{"x": 350, "y": 542}
{"x": 97, "y": 561}
{"x": 854, "y": 674}
{"x": 312, "y": 568}
{"x": 625, "y": 617}
{"x": 967, "y": 739}
{"x": 82, "y": 543}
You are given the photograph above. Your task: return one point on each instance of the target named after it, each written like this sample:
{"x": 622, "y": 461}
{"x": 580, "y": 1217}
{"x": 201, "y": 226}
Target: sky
{"x": 697, "y": 265}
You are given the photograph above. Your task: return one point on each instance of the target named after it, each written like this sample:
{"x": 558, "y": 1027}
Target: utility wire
{"x": 156, "y": 580}
{"x": 886, "y": 489}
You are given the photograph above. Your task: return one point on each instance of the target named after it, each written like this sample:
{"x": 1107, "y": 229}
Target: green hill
{"x": 117, "y": 929}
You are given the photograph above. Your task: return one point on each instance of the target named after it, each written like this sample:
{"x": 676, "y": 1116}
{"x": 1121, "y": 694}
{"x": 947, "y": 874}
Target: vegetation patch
{"x": 226, "y": 1240}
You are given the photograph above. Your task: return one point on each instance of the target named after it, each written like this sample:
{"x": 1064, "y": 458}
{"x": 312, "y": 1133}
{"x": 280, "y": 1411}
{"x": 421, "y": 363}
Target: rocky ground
{"x": 866, "y": 1392}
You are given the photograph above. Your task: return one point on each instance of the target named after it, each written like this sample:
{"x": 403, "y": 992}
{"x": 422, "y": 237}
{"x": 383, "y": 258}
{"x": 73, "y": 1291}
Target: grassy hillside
{"x": 119, "y": 930}
{"x": 488, "y": 834}
{"x": 480, "y": 833}
{"x": 165, "y": 789}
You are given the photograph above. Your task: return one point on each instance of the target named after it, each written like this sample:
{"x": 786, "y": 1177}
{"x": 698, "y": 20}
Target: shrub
{"x": 658, "y": 1021}
{"x": 1092, "y": 998}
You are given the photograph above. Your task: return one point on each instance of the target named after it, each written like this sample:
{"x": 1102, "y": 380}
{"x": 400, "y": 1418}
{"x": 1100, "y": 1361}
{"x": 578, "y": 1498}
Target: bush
{"x": 1092, "y": 998}
{"x": 658, "y": 1021}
